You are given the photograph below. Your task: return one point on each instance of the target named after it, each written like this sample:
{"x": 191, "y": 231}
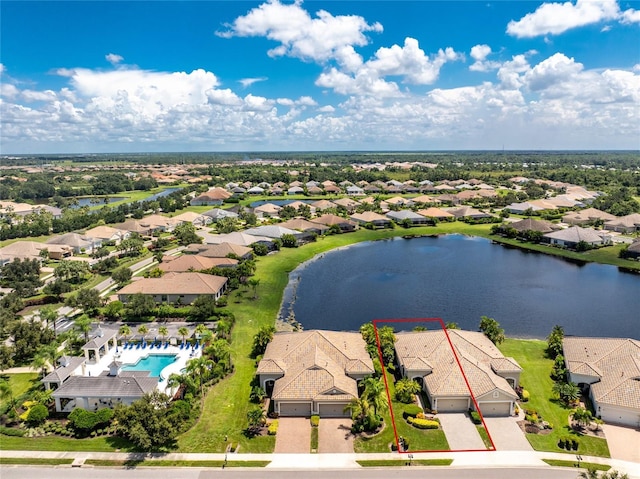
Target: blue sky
{"x": 123, "y": 76}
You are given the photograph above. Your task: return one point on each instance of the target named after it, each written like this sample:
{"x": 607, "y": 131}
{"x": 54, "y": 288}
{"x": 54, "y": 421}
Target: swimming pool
{"x": 154, "y": 363}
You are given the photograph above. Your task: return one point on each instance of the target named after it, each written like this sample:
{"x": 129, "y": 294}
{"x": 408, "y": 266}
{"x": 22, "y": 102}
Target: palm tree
{"x": 201, "y": 329}
{"x": 184, "y": 332}
{"x": 200, "y": 367}
{"x": 83, "y": 325}
{"x": 6, "y": 392}
{"x": 182, "y": 380}
{"x": 361, "y": 412}
{"x": 50, "y": 315}
{"x": 254, "y": 282}
{"x": 164, "y": 332}
{"x": 124, "y": 331}
{"x": 590, "y": 473}
{"x": 376, "y": 394}
{"x": 143, "y": 330}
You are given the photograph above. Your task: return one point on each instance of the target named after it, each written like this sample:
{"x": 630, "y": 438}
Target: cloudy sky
{"x": 130, "y": 76}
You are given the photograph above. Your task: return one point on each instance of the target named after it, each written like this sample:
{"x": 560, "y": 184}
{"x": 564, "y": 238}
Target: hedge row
{"x": 423, "y": 423}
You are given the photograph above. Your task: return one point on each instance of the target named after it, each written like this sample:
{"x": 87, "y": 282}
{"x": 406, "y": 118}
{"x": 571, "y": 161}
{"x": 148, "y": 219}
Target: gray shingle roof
{"x": 106, "y": 386}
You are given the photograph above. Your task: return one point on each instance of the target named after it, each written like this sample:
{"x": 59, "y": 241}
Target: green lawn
{"x": 36, "y": 461}
{"x": 405, "y": 462}
{"x": 485, "y": 437}
{"x": 53, "y": 443}
{"x": 583, "y": 465}
{"x": 418, "y": 439}
{"x": 530, "y": 354}
{"x": 165, "y": 463}
{"x": 20, "y": 383}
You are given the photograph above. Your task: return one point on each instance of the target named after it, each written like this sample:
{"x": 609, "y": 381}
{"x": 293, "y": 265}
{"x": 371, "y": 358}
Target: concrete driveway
{"x": 506, "y": 434}
{"x": 460, "y": 432}
{"x": 334, "y": 435}
{"x": 624, "y": 442}
{"x": 294, "y": 435}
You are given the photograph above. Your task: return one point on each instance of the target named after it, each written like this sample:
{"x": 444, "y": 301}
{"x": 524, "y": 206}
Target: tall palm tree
{"x": 164, "y": 332}
{"x": 83, "y": 325}
{"x": 184, "y": 332}
{"x": 143, "y": 330}
{"x": 182, "y": 380}
{"x": 50, "y": 315}
{"x": 201, "y": 329}
{"x": 124, "y": 331}
{"x": 200, "y": 368}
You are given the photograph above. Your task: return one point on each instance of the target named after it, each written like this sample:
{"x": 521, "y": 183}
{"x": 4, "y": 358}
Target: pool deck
{"x": 131, "y": 356}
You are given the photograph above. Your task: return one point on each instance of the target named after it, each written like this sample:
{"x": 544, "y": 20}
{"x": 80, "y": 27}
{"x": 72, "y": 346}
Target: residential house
{"x": 609, "y": 368}
{"x": 216, "y": 214}
{"x": 176, "y": 287}
{"x": 468, "y": 212}
{"x": 196, "y": 219}
{"x": 78, "y": 243}
{"x": 301, "y": 224}
{"x": 624, "y": 224}
{"x": 634, "y": 249}
{"x": 214, "y": 196}
{"x": 271, "y": 231}
{"x": 369, "y": 217}
{"x": 33, "y": 250}
{"x": 267, "y": 210}
{"x": 314, "y": 372}
{"x": 67, "y": 366}
{"x": 570, "y": 237}
{"x": 587, "y": 216}
{"x": 451, "y": 365}
{"x": 529, "y": 224}
{"x": 221, "y": 250}
{"x": 355, "y": 191}
{"x": 437, "y": 213}
{"x": 322, "y": 205}
{"x": 402, "y": 216}
{"x": 347, "y": 203}
{"x": 107, "y": 234}
{"x": 329, "y": 220}
{"x": 193, "y": 262}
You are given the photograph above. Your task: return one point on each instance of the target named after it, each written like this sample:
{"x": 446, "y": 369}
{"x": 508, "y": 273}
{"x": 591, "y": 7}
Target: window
{"x": 163, "y": 298}
{"x": 496, "y": 394}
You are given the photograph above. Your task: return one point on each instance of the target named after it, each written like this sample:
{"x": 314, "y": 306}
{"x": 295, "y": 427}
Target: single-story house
{"x": 521, "y": 208}
{"x": 237, "y": 237}
{"x": 301, "y": 224}
{"x": 414, "y": 218}
{"x": 624, "y": 224}
{"x": 77, "y": 242}
{"x": 194, "y": 262}
{"x": 610, "y": 369}
{"x": 347, "y": 203}
{"x": 529, "y": 224}
{"x": 437, "y": 213}
{"x": 267, "y": 210}
{"x": 468, "y": 212}
{"x": 322, "y": 205}
{"x": 295, "y": 190}
{"x": 634, "y": 249}
{"x": 271, "y": 231}
{"x": 570, "y": 237}
{"x": 32, "y": 250}
{"x": 143, "y": 228}
{"x": 215, "y": 196}
{"x": 314, "y": 372}
{"x": 344, "y": 224}
{"x": 355, "y": 191}
{"x": 221, "y": 250}
{"x": 196, "y": 219}
{"x": 428, "y": 357}
{"x": 176, "y": 287}
{"x": 217, "y": 214}
{"x": 107, "y": 233}
{"x": 584, "y": 217}
{"x": 378, "y": 221}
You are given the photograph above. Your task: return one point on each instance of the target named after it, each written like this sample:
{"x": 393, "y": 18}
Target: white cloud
{"x": 479, "y": 53}
{"x": 606, "y": 28}
{"x": 113, "y": 58}
{"x": 326, "y": 109}
{"x": 47, "y": 95}
{"x": 555, "y": 69}
{"x": 2, "y": 68}
{"x": 556, "y": 18}
{"x": 247, "y": 82}
{"x": 317, "y": 39}
{"x": 630, "y": 16}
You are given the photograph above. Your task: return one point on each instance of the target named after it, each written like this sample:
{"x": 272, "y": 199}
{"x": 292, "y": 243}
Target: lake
{"x": 459, "y": 279}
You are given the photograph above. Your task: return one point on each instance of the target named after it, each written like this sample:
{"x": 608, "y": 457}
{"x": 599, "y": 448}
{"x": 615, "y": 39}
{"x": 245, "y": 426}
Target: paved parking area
{"x": 334, "y": 435}
{"x": 624, "y": 442}
{"x": 461, "y": 433}
{"x": 294, "y": 435}
{"x": 506, "y": 434}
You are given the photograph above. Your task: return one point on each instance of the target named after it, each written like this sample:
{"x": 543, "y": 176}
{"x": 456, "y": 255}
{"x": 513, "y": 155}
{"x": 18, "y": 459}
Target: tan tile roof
{"x": 368, "y": 216}
{"x": 435, "y": 213}
{"x": 316, "y": 364}
{"x": 329, "y": 220}
{"x": 177, "y": 283}
{"x": 194, "y": 262}
{"x": 105, "y": 232}
{"x": 479, "y": 357}
{"x": 616, "y": 361}
{"x": 220, "y": 250}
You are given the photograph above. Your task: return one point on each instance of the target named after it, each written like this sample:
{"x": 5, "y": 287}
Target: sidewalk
{"x": 497, "y": 459}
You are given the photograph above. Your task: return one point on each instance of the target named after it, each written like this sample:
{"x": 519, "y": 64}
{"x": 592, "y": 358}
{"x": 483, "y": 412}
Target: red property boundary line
{"x": 386, "y": 385}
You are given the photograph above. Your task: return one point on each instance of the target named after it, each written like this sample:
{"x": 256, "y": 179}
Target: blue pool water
{"x": 154, "y": 363}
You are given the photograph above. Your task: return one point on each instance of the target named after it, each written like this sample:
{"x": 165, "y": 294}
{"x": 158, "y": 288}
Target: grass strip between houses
{"x": 34, "y": 461}
{"x": 404, "y": 462}
{"x": 581, "y": 465}
{"x": 131, "y": 463}
{"x": 485, "y": 437}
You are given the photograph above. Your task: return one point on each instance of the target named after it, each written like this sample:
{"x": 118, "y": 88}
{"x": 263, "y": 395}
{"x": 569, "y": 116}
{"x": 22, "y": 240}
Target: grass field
{"x": 583, "y": 465}
{"x": 20, "y": 383}
{"x": 131, "y": 463}
{"x": 34, "y": 461}
{"x": 405, "y": 462}
{"x": 530, "y": 354}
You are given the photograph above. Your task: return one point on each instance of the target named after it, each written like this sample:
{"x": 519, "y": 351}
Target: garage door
{"x": 333, "y": 410}
{"x": 619, "y": 416}
{"x": 495, "y": 409}
{"x": 452, "y": 405}
{"x": 295, "y": 409}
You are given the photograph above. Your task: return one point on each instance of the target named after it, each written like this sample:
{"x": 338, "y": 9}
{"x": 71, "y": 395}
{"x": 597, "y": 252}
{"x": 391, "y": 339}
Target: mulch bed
{"x": 533, "y": 429}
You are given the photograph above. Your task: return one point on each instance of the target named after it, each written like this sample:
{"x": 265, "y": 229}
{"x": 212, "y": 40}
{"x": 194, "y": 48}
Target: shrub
{"x": 423, "y": 423}
{"x": 525, "y": 395}
{"x": 411, "y": 410}
{"x": 37, "y": 415}
{"x": 475, "y": 417}
{"x": 315, "y": 420}
{"x": 574, "y": 444}
{"x": 273, "y": 428}
{"x": 9, "y": 431}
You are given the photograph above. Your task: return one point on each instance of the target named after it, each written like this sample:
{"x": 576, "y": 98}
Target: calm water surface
{"x": 459, "y": 279}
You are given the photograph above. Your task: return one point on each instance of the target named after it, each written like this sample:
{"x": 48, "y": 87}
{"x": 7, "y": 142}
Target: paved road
{"x": 65, "y": 472}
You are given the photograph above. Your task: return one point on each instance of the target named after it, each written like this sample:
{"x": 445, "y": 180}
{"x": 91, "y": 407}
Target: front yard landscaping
{"x": 530, "y": 354}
